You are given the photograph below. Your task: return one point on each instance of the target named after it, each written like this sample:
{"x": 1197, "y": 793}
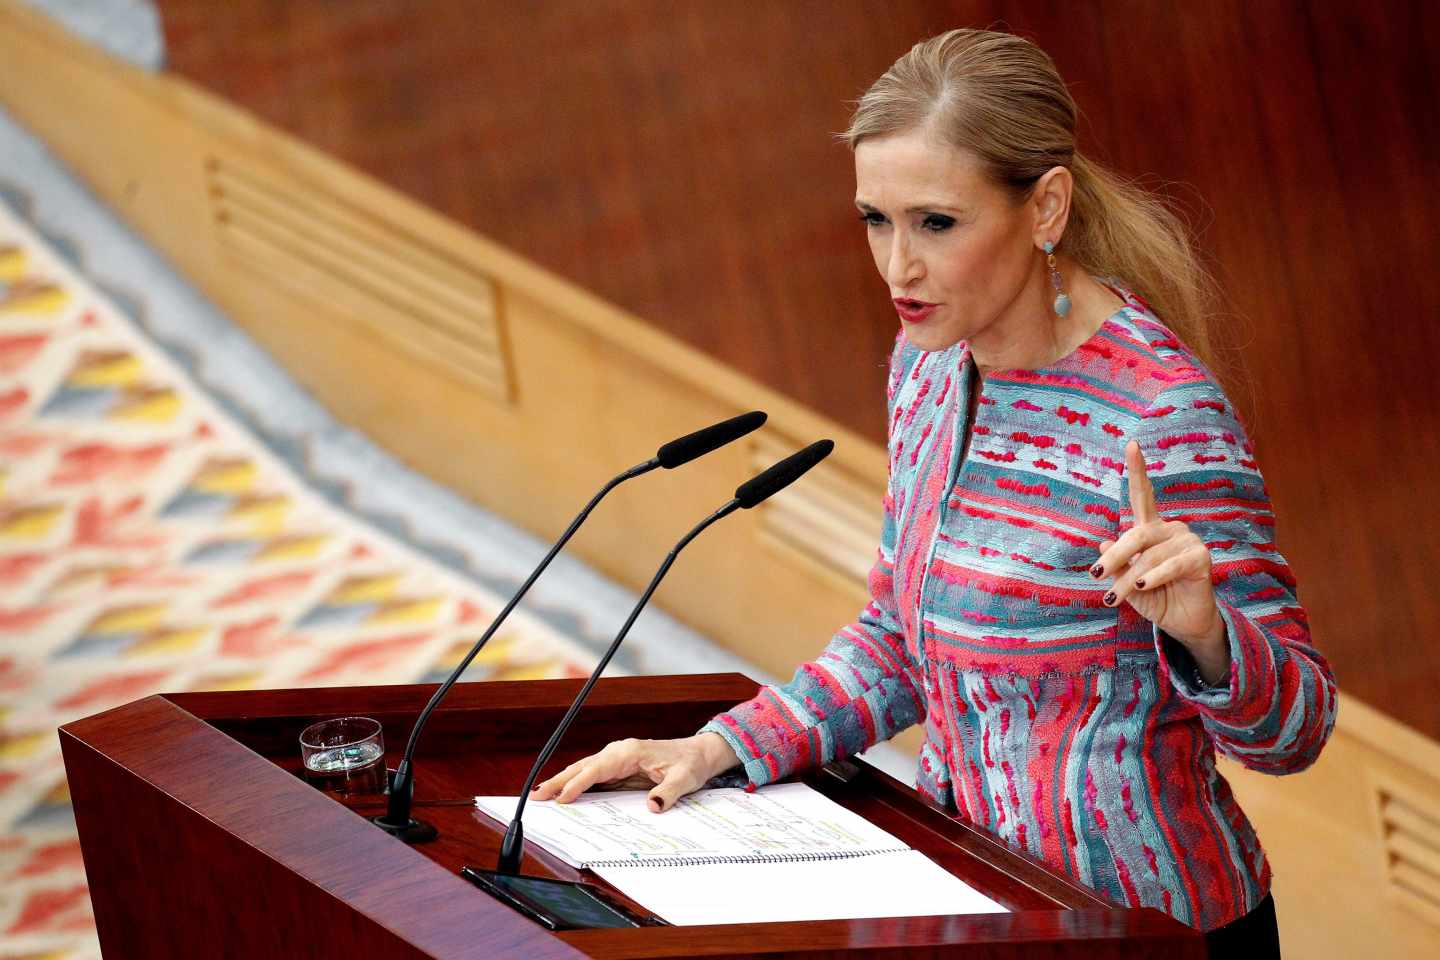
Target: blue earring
{"x": 1062, "y": 301}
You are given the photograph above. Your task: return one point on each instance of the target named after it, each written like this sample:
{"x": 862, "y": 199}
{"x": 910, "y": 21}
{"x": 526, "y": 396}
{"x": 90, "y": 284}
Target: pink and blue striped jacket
{"x": 1070, "y": 729}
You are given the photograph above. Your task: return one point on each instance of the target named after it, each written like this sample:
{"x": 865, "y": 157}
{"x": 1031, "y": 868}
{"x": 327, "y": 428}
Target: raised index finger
{"x": 1142, "y": 494}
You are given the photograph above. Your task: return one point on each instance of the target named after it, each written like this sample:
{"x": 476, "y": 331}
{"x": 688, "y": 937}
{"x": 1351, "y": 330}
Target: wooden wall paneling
{"x": 404, "y": 290}
{"x": 830, "y": 521}
{"x": 541, "y": 131}
{"x": 592, "y": 390}
{"x": 1409, "y": 828}
{"x": 1352, "y": 879}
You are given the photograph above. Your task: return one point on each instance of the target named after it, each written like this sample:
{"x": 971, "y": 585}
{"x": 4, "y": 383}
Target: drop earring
{"x": 1062, "y": 300}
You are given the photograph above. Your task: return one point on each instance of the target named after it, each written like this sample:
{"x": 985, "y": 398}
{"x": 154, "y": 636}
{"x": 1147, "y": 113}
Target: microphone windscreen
{"x": 784, "y": 473}
{"x": 701, "y": 442}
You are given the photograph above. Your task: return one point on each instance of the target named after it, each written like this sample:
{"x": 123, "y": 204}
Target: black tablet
{"x": 557, "y": 904}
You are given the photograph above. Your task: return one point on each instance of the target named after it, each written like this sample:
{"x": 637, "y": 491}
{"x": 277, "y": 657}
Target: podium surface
{"x": 201, "y": 837}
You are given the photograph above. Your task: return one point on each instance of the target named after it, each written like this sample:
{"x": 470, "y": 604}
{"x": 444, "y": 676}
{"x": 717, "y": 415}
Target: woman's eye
{"x": 937, "y": 223}
{"x": 872, "y": 218}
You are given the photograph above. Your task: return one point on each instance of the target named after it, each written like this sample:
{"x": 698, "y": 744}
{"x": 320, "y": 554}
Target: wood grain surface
{"x": 199, "y": 834}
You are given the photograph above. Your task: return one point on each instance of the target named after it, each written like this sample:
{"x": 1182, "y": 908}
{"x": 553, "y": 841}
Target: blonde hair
{"x": 1000, "y": 97}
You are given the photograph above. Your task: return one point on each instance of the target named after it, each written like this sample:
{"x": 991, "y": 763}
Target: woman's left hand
{"x": 1162, "y": 569}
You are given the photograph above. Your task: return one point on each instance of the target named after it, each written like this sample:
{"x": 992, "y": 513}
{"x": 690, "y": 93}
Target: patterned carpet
{"x": 148, "y": 542}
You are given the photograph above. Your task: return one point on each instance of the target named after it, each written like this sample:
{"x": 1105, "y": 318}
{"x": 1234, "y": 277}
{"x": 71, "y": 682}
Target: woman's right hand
{"x": 675, "y": 767}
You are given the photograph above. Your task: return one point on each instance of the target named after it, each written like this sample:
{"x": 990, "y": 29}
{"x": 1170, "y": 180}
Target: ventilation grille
{"x": 348, "y": 259}
{"x": 829, "y": 518}
{"x": 1410, "y": 830}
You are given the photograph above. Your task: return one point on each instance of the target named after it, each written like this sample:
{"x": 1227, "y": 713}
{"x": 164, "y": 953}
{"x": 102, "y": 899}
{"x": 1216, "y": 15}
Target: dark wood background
{"x": 677, "y": 158}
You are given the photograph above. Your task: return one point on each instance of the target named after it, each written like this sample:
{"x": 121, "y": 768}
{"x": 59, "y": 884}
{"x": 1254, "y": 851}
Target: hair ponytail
{"x": 1122, "y": 230}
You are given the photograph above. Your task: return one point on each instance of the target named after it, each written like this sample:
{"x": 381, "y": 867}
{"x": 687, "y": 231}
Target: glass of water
{"x": 345, "y": 756}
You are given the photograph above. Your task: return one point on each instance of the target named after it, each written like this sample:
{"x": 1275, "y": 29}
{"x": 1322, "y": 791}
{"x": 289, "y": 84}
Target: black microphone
{"x": 677, "y": 453}
{"x": 781, "y": 475}
{"x": 747, "y": 495}
{"x": 397, "y": 820}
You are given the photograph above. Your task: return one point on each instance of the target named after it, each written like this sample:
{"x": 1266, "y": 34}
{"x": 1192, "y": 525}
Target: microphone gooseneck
{"x": 755, "y": 491}
{"x": 397, "y": 819}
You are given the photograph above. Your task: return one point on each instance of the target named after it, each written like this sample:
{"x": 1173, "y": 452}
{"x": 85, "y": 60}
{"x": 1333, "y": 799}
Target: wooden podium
{"x": 201, "y": 839}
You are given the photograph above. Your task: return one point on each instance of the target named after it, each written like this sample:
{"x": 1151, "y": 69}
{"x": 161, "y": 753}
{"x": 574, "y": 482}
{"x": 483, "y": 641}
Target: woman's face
{"x": 942, "y": 235}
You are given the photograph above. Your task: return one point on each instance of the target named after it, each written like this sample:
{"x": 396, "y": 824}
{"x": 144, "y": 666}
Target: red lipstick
{"x": 913, "y": 311}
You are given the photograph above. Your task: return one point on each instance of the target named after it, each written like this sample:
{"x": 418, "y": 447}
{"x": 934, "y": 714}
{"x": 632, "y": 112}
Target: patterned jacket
{"x": 1072, "y": 730}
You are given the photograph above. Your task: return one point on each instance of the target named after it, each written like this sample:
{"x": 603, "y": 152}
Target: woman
{"x": 1077, "y": 591}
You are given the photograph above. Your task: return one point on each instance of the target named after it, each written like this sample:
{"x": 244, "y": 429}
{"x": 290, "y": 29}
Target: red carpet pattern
{"x": 149, "y": 542}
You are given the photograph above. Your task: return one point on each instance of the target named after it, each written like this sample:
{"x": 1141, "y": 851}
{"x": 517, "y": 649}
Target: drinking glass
{"x": 345, "y": 756}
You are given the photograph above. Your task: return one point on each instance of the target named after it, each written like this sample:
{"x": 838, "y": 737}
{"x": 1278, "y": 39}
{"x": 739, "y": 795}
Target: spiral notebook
{"x": 783, "y": 852}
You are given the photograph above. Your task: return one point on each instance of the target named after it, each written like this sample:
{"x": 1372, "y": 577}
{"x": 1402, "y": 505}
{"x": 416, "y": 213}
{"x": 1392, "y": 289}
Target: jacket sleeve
{"x": 1278, "y": 707}
{"x": 863, "y": 687}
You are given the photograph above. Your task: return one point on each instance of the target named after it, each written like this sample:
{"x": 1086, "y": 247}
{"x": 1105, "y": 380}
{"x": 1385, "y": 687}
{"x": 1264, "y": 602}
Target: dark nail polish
{"x": 1140, "y": 583}
{"x": 1097, "y": 571}
{"x": 1110, "y": 599}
